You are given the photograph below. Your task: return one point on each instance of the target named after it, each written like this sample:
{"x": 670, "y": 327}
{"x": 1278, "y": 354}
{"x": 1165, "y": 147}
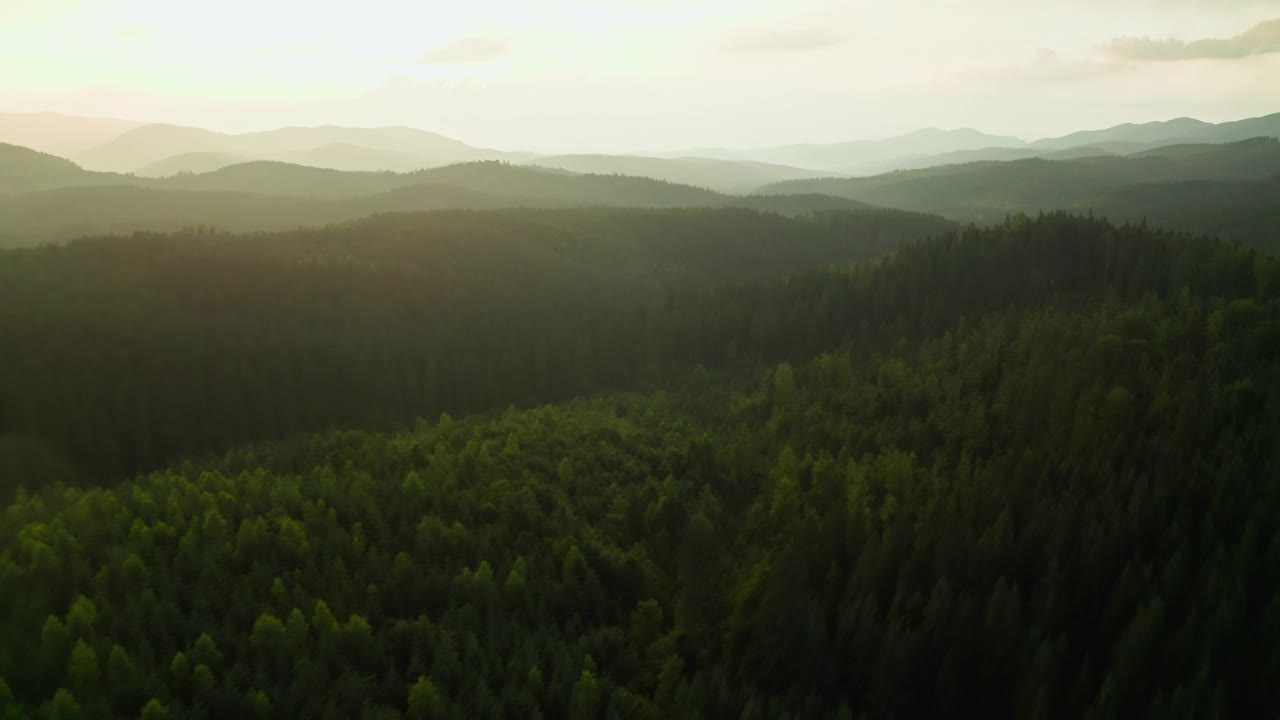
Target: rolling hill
{"x": 1137, "y": 134}
{"x": 1016, "y": 472}
{"x": 1246, "y": 212}
{"x": 191, "y": 162}
{"x": 263, "y": 196}
{"x": 1234, "y": 131}
{"x": 23, "y": 169}
{"x": 931, "y": 147}
{"x": 348, "y": 148}
{"x": 458, "y": 283}
{"x": 737, "y": 176}
{"x": 58, "y": 134}
{"x": 987, "y": 191}
{"x": 861, "y": 156}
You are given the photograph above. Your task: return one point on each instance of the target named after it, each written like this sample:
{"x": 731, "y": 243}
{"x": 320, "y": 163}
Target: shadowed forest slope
{"x": 1014, "y": 472}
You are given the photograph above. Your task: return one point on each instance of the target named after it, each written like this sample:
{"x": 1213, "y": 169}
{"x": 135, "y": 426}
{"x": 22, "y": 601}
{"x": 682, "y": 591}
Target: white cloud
{"x": 1261, "y": 39}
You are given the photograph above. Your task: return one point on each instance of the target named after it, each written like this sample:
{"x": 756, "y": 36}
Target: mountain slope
{"x": 1266, "y": 126}
{"x": 538, "y": 297}
{"x": 279, "y": 178}
{"x": 191, "y": 162}
{"x": 988, "y": 191}
{"x": 491, "y": 177}
{"x": 64, "y": 214}
{"x": 719, "y": 175}
{"x": 1246, "y": 212}
{"x": 23, "y": 169}
{"x": 1004, "y": 470}
{"x": 58, "y": 134}
{"x": 151, "y": 144}
{"x": 1142, "y": 134}
{"x": 862, "y": 155}
{"x": 358, "y": 158}
{"x": 932, "y": 147}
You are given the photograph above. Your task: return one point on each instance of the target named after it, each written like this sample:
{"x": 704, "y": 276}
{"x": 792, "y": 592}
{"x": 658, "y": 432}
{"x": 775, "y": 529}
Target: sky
{"x": 645, "y": 75}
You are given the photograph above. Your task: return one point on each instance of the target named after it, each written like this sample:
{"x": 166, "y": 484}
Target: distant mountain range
{"x": 47, "y": 198}
{"x": 987, "y": 191}
{"x": 727, "y": 176}
{"x": 1217, "y": 182}
{"x": 65, "y": 135}
{"x": 932, "y": 147}
{"x": 860, "y": 156}
{"x": 140, "y": 150}
{"x": 159, "y": 150}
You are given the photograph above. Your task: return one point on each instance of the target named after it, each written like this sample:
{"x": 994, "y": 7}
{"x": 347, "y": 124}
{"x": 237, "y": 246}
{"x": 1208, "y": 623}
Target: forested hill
{"x": 1015, "y": 472}
{"x": 25, "y": 169}
{"x": 242, "y": 338}
{"x": 1247, "y": 211}
{"x": 988, "y": 191}
{"x": 64, "y": 202}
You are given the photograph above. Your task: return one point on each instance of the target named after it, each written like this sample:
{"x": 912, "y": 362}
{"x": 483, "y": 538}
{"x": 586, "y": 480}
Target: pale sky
{"x": 634, "y": 75}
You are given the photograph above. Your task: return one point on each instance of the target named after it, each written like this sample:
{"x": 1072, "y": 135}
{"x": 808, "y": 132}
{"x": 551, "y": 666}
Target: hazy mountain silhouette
{"x": 932, "y": 147}
{"x": 335, "y": 156}
{"x": 992, "y": 154}
{"x": 66, "y": 135}
{"x": 143, "y": 147}
{"x": 23, "y": 169}
{"x": 345, "y": 156}
{"x": 150, "y": 144}
{"x": 192, "y": 162}
{"x": 1265, "y": 126}
{"x": 721, "y": 175}
{"x": 63, "y": 201}
{"x": 1143, "y": 134}
{"x": 860, "y": 156}
{"x": 529, "y": 182}
{"x": 619, "y": 181}
{"x": 160, "y": 150}
{"x": 987, "y": 191}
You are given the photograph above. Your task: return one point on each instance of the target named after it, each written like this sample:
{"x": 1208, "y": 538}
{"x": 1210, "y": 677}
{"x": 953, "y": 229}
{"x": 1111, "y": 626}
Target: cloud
{"x": 468, "y": 50}
{"x": 787, "y": 41}
{"x": 1261, "y": 39}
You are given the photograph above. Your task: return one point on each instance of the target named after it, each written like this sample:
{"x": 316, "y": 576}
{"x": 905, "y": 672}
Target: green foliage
{"x": 1021, "y": 472}
{"x": 63, "y": 706}
{"x": 155, "y": 710}
{"x": 425, "y": 700}
{"x": 369, "y": 325}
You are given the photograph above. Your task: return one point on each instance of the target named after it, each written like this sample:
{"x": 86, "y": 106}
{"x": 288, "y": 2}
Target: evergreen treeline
{"x": 130, "y": 352}
{"x": 1024, "y": 472}
{"x": 1247, "y": 212}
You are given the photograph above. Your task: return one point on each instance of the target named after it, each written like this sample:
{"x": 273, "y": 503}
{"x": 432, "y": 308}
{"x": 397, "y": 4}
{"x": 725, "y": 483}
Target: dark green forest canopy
{"x": 1246, "y": 211}
{"x": 1016, "y": 472}
{"x": 134, "y": 351}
